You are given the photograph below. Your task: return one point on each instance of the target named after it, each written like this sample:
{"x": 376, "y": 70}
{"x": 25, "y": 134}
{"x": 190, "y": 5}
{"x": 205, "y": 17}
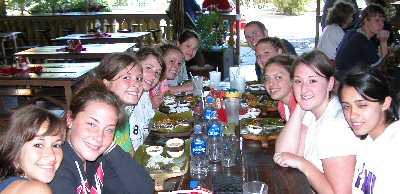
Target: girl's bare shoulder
{"x": 27, "y": 186}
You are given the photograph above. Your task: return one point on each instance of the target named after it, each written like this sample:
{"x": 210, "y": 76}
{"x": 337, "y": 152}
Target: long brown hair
{"x": 110, "y": 66}
{"x": 144, "y": 52}
{"x": 97, "y": 92}
{"x": 24, "y": 125}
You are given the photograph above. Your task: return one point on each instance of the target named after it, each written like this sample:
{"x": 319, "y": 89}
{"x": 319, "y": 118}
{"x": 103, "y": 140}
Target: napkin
{"x": 13, "y": 70}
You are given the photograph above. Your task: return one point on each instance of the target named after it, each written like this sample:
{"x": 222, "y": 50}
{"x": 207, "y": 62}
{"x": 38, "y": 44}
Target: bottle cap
{"x": 210, "y": 99}
{"x": 194, "y": 184}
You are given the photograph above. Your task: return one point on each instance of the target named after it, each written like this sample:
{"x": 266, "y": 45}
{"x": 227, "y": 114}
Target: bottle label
{"x": 214, "y": 131}
{"x": 207, "y": 114}
{"x": 198, "y": 147}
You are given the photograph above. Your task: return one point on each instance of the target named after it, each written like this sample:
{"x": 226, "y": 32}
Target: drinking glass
{"x": 255, "y": 187}
{"x": 198, "y": 85}
{"x": 215, "y": 79}
{"x": 232, "y": 106}
{"x": 229, "y": 143}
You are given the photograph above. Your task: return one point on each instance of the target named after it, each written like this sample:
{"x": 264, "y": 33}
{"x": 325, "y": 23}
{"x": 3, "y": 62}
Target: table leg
{"x": 3, "y": 51}
{"x": 14, "y": 38}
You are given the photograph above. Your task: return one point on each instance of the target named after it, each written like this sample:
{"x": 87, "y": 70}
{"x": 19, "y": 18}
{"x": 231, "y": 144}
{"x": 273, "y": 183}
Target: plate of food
{"x": 163, "y": 166}
{"x": 261, "y": 129}
{"x": 172, "y": 125}
{"x": 261, "y": 126}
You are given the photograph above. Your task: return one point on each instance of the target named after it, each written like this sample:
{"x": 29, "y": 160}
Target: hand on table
{"x": 156, "y": 101}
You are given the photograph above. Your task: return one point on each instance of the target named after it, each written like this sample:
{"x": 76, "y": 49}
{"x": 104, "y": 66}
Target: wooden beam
{"x": 317, "y": 22}
{"x": 3, "y": 11}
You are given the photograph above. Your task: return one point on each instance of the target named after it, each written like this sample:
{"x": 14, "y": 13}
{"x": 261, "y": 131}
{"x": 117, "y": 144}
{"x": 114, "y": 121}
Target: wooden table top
{"x": 93, "y": 51}
{"x": 8, "y": 34}
{"x": 53, "y": 72}
{"x": 256, "y": 163}
{"x": 90, "y": 48}
{"x": 85, "y": 37}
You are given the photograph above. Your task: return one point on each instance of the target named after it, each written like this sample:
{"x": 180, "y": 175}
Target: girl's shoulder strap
{"x": 10, "y": 180}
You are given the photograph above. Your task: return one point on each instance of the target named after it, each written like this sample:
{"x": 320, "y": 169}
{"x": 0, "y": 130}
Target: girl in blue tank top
{"x": 30, "y": 151}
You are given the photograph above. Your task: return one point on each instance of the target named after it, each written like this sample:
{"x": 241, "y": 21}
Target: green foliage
{"x": 20, "y": 5}
{"x": 62, "y": 6}
{"x": 121, "y": 2}
{"x": 211, "y": 29}
{"x": 291, "y": 7}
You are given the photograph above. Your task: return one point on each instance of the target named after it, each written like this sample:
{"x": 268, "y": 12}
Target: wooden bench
{"x": 46, "y": 93}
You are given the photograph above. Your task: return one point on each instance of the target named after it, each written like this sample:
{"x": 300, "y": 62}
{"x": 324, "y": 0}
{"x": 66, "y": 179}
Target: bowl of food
{"x": 175, "y": 147}
{"x": 254, "y": 129}
{"x": 254, "y": 112}
{"x": 154, "y": 150}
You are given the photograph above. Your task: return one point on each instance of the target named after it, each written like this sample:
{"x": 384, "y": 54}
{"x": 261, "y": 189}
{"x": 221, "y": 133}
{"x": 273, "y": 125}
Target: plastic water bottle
{"x": 208, "y": 109}
{"x": 198, "y": 154}
{"x": 214, "y": 136}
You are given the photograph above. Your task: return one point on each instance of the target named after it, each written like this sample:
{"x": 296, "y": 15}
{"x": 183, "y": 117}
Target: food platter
{"x": 172, "y": 125}
{"x": 163, "y": 166}
{"x": 263, "y": 102}
{"x": 255, "y": 87}
{"x": 269, "y": 129}
{"x": 177, "y": 103}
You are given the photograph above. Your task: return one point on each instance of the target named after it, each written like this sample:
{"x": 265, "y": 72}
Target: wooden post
{"x": 317, "y": 22}
{"x": 237, "y": 50}
{"x": 3, "y": 11}
{"x": 178, "y": 18}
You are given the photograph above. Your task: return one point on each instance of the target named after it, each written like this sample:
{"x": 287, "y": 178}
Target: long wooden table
{"x": 93, "y": 51}
{"x": 255, "y": 163}
{"x": 136, "y": 37}
{"x": 65, "y": 75}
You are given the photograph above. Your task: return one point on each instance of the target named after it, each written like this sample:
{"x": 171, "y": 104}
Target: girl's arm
{"x": 338, "y": 174}
{"x": 383, "y": 37}
{"x": 183, "y": 88}
{"x": 290, "y": 138}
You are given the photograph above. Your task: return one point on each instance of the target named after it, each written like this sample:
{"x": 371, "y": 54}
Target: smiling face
{"x": 189, "y": 48}
{"x": 311, "y": 90}
{"x": 264, "y": 52}
{"x": 277, "y": 82}
{"x": 363, "y": 116}
{"x": 41, "y": 157}
{"x": 253, "y": 34}
{"x": 127, "y": 84}
{"x": 174, "y": 61}
{"x": 92, "y": 130}
{"x": 151, "y": 72}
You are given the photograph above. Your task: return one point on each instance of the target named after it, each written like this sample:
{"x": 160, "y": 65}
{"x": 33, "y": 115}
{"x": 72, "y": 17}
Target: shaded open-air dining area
{"x": 199, "y": 96}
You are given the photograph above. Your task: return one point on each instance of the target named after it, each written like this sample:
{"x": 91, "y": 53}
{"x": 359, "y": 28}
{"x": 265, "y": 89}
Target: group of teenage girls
{"x": 342, "y": 134}
{"x": 90, "y": 149}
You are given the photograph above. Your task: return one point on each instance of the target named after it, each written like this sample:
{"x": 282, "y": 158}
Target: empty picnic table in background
{"x": 51, "y": 80}
{"x": 103, "y": 38}
{"x": 94, "y": 52}
{"x": 4, "y": 36}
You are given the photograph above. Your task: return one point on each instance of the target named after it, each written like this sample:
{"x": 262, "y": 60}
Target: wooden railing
{"x": 81, "y": 21}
